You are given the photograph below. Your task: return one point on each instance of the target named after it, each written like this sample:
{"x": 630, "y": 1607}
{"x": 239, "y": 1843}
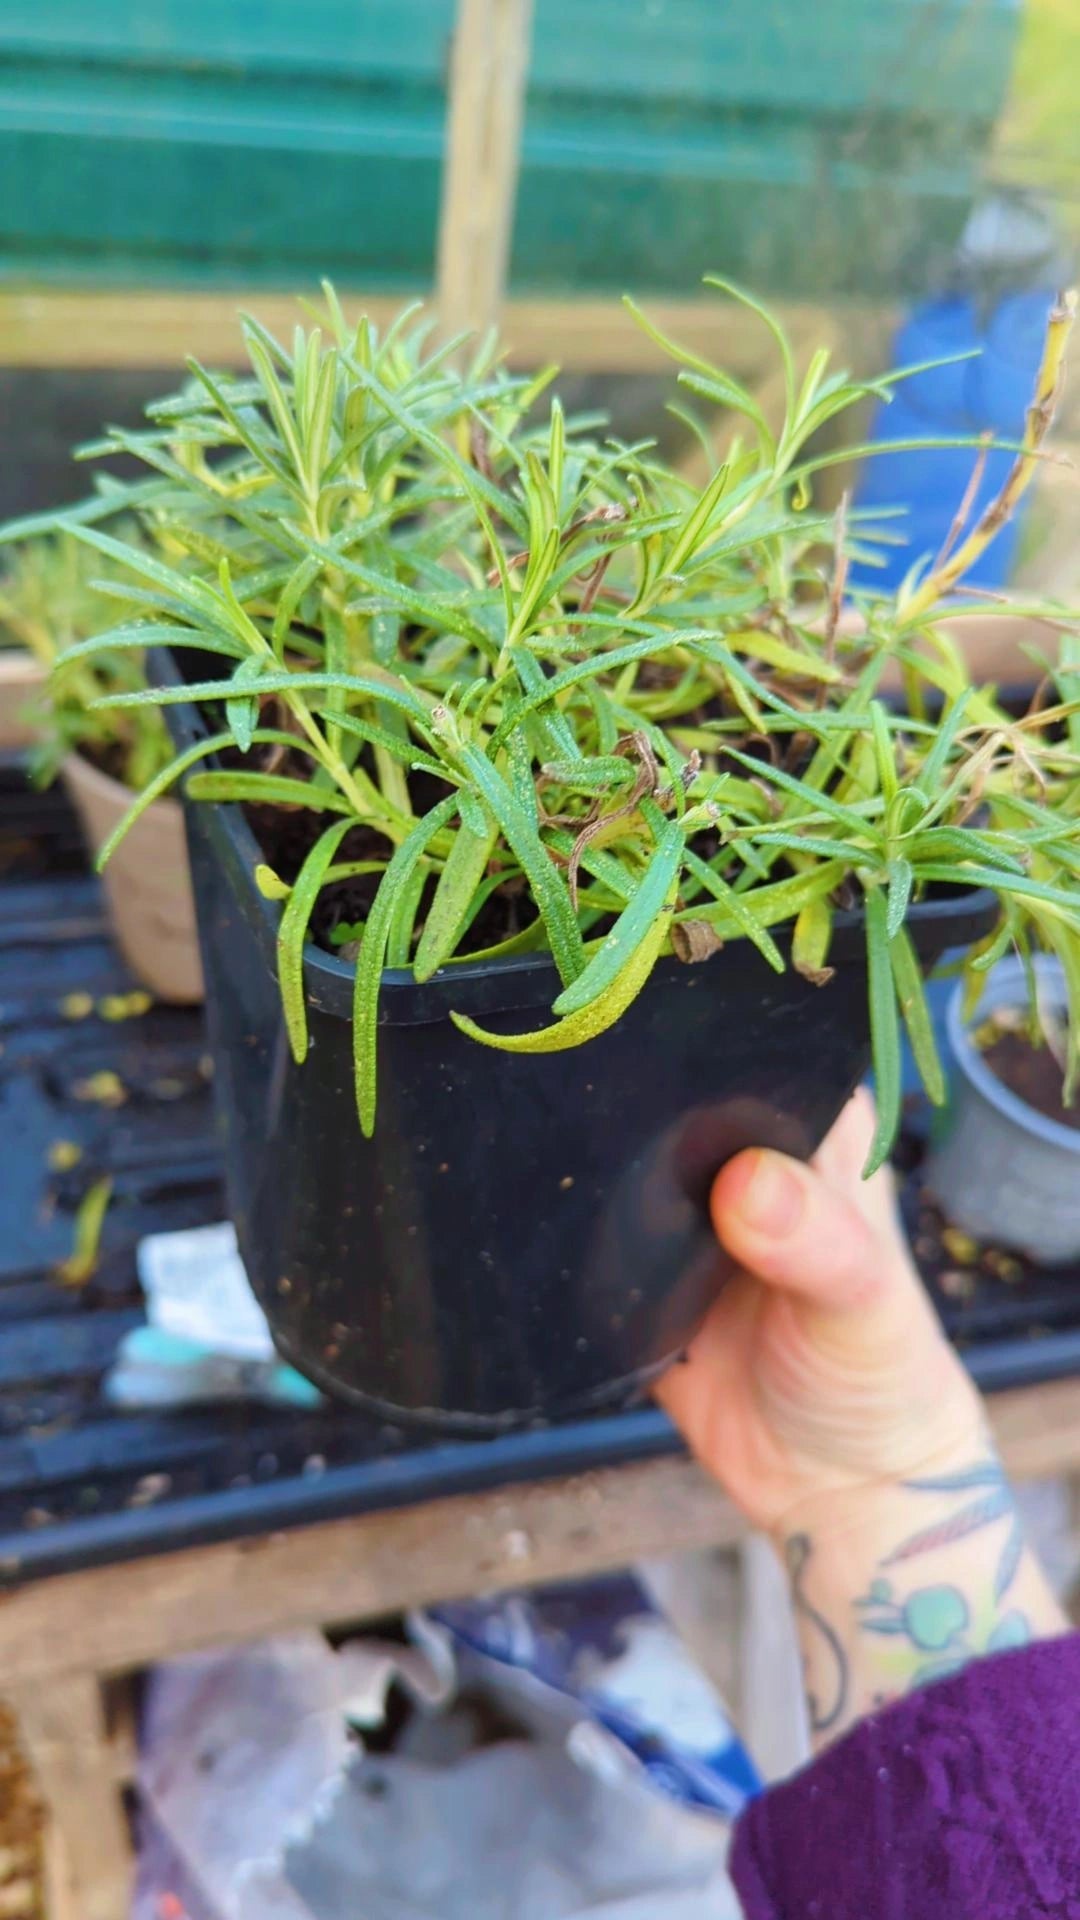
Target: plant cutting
{"x": 559, "y": 796}
{"x": 55, "y": 595}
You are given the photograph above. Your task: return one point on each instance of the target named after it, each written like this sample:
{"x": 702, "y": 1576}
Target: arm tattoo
{"x": 938, "y": 1627}
{"x": 994, "y": 1501}
{"x": 823, "y": 1715}
{"x": 921, "y": 1633}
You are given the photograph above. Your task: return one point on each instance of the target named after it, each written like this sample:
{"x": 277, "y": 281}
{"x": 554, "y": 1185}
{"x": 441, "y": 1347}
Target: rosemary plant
{"x": 48, "y": 605}
{"x": 533, "y": 663}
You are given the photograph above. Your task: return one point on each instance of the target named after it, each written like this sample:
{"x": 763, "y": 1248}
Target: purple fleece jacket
{"x": 961, "y": 1802}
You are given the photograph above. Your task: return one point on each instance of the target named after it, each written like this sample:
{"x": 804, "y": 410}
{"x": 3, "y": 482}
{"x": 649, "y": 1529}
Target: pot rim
{"x": 19, "y": 667}
{"x": 1008, "y": 976}
{"x": 112, "y": 789}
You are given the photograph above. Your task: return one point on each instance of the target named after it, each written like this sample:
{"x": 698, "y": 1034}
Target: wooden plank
{"x": 92, "y": 329}
{"x": 59, "y": 1899}
{"x": 481, "y": 160}
{"x": 599, "y": 336}
{"x": 116, "y": 1618}
{"x": 1037, "y": 1429}
{"x": 62, "y": 1723}
{"x": 23, "y": 1827}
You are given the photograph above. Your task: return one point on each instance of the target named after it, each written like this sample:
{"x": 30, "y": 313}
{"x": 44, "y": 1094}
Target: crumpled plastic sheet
{"x": 259, "y": 1801}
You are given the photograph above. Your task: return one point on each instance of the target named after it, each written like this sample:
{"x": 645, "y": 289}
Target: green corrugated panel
{"x": 808, "y": 146}
{"x": 774, "y": 54}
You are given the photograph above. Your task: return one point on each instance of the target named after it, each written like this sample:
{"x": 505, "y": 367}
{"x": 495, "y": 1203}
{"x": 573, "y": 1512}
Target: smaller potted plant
{"x": 1006, "y": 1166}
{"x": 54, "y": 598}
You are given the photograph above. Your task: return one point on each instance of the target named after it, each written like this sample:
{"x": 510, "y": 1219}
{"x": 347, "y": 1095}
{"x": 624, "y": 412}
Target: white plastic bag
{"x": 259, "y": 1803}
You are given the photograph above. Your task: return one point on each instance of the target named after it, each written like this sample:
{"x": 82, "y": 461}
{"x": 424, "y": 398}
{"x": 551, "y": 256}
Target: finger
{"x": 785, "y": 1223}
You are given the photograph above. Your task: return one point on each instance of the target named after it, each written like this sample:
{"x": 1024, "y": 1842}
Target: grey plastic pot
{"x": 1001, "y": 1171}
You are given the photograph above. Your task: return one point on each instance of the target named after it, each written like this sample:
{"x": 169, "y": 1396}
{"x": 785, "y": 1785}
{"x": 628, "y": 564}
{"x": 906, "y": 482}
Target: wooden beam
{"x": 481, "y": 156}
{"x": 88, "y": 330}
{"x": 62, "y": 1723}
{"x": 114, "y": 1619}
{"x": 1037, "y": 1430}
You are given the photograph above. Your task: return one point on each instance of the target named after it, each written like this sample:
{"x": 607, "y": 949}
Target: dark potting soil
{"x": 1031, "y": 1072}
{"x": 108, "y": 757}
{"x": 286, "y": 837}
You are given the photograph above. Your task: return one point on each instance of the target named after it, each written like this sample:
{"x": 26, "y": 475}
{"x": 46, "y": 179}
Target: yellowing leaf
{"x": 592, "y": 1019}
{"x": 63, "y": 1155}
{"x": 81, "y": 1263}
{"x": 783, "y": 656}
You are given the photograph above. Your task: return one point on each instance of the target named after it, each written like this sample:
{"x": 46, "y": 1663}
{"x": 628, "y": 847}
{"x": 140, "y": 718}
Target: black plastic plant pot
{"x": 526, "y": 1237}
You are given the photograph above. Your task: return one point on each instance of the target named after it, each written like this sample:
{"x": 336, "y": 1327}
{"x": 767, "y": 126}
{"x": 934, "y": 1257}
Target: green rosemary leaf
{"x": 742, "y": 909}
{"x": 911, "y": 993}
{"x": 449, "y": 910}
{"x": 589, "y": 1021}
{"x": 403, "y": 921}
{"x": 154, "y": 788}
{"x": 900, "y": 878}
{"x": 292, "y": 933}
{"x": 266, "y": 789}
{"x": 523, "y": 838}
{"x": 369, "y": 966}
{"x": 634, "y": 923}
{"x": 884, "y": 1031}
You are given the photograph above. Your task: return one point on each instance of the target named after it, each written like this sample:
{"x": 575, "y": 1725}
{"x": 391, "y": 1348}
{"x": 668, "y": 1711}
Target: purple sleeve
{"x": 962, "y": 1800}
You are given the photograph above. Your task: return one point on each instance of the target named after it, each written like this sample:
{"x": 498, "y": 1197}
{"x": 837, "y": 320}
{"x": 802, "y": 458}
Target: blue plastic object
{"x": 988, "y": 393}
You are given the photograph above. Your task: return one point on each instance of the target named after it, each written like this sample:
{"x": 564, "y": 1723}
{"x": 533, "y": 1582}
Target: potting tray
{"x": 82, "y": 1483}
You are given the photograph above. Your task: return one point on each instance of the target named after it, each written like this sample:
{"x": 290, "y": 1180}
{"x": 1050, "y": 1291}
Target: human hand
{"x": 822, "y": 1370}
{"x": 823, "y": 1395}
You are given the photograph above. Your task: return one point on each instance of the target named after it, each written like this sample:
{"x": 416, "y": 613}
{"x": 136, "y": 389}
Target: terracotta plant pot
{"x": 20, "y": 679}
{"x": 993, "y": 646}
{"x": 147, "y": 882}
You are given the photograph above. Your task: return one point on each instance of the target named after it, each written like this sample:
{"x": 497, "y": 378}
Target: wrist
{"x": 852, "y": 1514}
{"x": 900, "y": 1583}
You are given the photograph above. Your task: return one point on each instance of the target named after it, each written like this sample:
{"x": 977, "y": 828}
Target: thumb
{"x": 784, "y": 1223}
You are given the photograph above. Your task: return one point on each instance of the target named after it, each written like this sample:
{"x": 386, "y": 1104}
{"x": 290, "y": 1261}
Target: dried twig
{"x": 480, "y": 450}
{"x": 839, "y": 579}
{"x": 940, "y": 579}
{"x": 597, "y": 516}
{"x": 970, "y": 494}
{"x": 647, "y": 781}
